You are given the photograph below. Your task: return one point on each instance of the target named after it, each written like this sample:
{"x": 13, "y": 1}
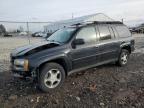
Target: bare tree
{"x": 2, "y": 29}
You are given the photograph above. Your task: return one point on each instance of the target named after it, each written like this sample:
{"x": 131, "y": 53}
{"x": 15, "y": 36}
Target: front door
{"x": 85, "y": 54}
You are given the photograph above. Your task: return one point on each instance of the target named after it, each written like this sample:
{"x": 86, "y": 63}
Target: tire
{"x": 52, "y": 76}
{"x": 123, "y": 58}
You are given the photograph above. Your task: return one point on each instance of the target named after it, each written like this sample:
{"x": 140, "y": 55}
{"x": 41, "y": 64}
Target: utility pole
{"x": 28, "y": 31}
{"x": 122, "y": 20}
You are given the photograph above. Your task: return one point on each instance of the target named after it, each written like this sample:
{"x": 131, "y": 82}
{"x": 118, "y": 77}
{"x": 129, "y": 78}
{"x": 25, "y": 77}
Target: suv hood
{"x": 33, "y": 48}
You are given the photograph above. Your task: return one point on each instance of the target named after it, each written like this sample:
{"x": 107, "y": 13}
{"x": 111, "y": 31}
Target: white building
{"x": 89, "y": 18}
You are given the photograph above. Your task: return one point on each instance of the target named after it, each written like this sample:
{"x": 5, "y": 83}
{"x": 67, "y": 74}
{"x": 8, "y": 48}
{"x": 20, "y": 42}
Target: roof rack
{"x": 95, "y": 22}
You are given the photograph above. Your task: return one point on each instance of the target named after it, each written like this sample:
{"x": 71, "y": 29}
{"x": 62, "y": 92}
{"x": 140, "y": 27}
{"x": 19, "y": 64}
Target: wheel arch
{"x": 61, "y": 61}
{"x": 126, "y": 47}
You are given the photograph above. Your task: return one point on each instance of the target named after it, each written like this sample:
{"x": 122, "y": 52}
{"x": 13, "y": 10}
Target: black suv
{"x": 73, "y": 49}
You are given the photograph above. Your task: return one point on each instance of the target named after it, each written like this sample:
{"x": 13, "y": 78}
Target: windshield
{"x": 62, "y": 35}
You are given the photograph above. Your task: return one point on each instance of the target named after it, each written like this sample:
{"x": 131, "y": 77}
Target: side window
{"x": 104, "y": 33}
{"x": 88, "y": 34}
{"x": 112, "y": 32}
{"x": 115, "y": 32}
{"x": 123, "y": 31}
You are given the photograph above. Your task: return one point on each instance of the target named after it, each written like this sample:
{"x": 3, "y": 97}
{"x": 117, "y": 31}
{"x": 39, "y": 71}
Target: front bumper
{"x": 18, "y": 72}
{"x": 22, "y": 74}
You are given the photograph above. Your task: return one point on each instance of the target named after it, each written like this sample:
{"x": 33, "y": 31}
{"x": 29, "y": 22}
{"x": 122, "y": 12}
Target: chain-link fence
{"x": 18, "y": 34}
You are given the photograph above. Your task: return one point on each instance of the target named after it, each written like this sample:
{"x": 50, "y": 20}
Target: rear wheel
{"x": 51, "y": 77}
{"x": 123, "y": 58}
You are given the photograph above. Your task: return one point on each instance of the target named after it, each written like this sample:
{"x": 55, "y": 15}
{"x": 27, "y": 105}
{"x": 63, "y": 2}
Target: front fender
{"x": 41, "y": 60}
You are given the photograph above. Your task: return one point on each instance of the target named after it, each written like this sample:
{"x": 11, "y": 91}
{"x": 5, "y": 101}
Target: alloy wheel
{"x": 52, "y": 78}
{"x": 124, "y": 58}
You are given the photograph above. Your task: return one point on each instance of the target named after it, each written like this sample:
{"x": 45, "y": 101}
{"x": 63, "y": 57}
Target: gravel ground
{"x": 106, "y": 86}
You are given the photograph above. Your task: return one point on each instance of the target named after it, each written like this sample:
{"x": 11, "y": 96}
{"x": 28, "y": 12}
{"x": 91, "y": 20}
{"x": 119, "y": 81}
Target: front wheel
{"x": 52, "y": 76}
{"x": 123, "y": 58}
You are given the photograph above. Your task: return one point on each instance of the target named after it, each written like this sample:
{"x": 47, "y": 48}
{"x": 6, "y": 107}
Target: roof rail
{"x": 96, "y": 22}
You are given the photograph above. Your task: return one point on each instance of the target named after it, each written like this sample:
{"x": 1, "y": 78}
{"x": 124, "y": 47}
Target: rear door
{"x": 108, "y": 45}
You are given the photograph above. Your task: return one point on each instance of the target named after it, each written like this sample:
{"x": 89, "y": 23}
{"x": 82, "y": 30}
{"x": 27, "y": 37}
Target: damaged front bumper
{"x": 20, "y": 72}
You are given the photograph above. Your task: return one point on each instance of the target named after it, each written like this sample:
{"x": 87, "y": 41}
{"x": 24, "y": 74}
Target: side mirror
{"x": 79, "y": 42}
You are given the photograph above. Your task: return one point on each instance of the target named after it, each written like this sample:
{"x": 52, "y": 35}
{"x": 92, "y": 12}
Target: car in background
{"x": 44, "y": 35}
{"x": 48, "y": 35}
{"x": 7, "y": 35}
{"x": 23, "y": 33}
{"x": 39, "y": 34}
{"x": 34, "y": 34}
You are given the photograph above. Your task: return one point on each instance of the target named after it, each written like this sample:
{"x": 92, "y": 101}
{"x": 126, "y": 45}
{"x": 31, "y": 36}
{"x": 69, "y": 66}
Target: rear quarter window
{"x": 123, "y": 31}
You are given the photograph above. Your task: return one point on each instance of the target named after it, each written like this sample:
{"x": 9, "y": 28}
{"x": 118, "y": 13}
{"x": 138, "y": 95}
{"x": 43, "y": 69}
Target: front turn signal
{"x": 26, "y": 65}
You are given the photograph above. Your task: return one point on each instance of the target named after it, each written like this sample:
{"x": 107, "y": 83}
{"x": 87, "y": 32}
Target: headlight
{"x": 23, "y": 63}
{"x": 19, "y": 62}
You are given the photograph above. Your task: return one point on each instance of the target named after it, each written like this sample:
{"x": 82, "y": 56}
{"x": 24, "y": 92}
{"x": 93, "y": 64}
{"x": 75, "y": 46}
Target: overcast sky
{"x": 53, "y": 10}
